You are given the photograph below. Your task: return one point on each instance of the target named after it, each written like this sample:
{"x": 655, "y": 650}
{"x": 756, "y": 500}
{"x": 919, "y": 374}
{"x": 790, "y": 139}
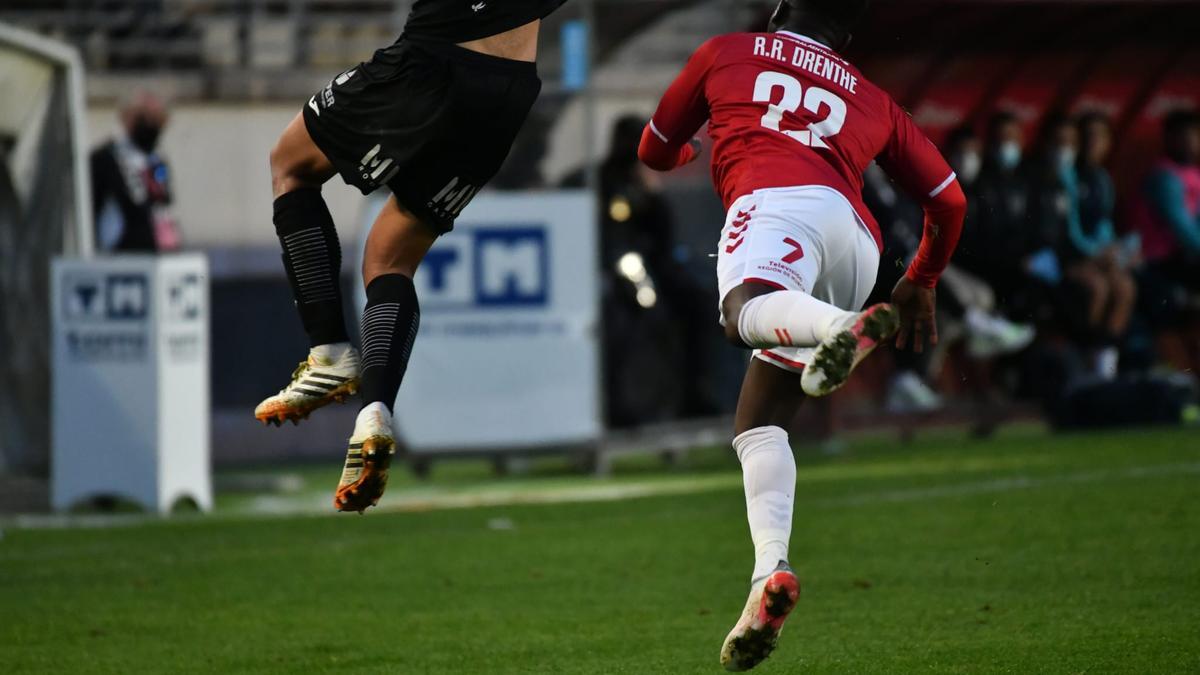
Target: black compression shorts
{"x": 433, "y": 122}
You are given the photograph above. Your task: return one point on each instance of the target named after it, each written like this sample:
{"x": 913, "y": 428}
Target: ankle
{"x": 374, "y": 408}
{"x": 832, "y": 324}
{"x": 331, "y": 352}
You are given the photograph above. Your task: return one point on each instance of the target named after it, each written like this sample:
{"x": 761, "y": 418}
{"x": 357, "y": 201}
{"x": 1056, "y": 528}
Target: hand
{"x": 696, "y": 147}
{"x": 916, "y": 305}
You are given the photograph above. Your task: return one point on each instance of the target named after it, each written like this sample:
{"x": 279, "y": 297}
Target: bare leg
{"x": 1087, "y": 275}
{"x": 1124, "y": 297}
{"x": 770, "y": 396}
{"x": 296, "y": 161}
{"x": 397, "y": 243}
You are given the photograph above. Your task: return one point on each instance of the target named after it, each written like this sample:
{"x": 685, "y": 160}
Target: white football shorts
{"x": 806, "y": 238}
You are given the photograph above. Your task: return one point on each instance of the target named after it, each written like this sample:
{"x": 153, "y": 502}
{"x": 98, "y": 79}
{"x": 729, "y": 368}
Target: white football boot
{"x": 908, "y": 394}
{"x": 365, "y": 474}
{"x": 752, "y": 640}
{"x": 316, "y": 382}
{"x": 991, "y": 335}
{"x": 837, "y": 355}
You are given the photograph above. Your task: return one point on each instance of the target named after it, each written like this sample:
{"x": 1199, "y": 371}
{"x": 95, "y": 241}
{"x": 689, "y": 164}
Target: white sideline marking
{"x": 408, "y": 502}
{"x": 1008, "y": 485}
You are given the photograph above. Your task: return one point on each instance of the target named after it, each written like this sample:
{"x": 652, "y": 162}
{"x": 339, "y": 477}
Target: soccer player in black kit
{"x": 432, "y": 117}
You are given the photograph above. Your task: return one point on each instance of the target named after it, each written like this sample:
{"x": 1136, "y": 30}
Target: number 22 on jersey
{"x": 795, "y": 95}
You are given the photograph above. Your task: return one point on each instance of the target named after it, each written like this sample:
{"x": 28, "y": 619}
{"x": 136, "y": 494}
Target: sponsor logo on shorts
{"x": 376, "y": 169}
{"x": 478, "y": 7}
{"x": 452, "y": 199}
{"x": 767, "y": 268}
{"x": 797, "y": 251}
{"x": 327, "y": 98}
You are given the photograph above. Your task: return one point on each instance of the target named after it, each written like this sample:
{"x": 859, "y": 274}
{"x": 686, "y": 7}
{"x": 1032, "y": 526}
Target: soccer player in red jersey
{"x": 793, "y": 127}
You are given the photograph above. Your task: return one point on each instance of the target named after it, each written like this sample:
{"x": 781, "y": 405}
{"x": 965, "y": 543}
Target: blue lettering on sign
{"x": 106, "y": 297}
{"x": 435, "y": 264}
{"x": 127, "y": 296}
{"x": 487, "y": 267}
{"x": 511, "y": 267}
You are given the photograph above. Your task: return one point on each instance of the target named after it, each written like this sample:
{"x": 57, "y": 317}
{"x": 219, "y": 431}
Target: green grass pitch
{"x": 1024, "y": 554}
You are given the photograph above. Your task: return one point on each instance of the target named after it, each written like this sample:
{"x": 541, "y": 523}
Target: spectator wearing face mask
{"x": 966, "y": 307}
{"x": 130, "y": 182}
{"x": 1063, "y": 254}
{"x": 969, "y": 298}
{"x": 992, "y": 246}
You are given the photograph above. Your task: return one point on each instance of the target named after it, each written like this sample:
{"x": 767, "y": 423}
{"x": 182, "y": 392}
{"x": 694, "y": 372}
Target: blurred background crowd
{"x": 1072, "y": 126}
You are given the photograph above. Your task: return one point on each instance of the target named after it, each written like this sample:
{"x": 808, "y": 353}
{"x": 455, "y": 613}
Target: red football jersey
{"x": 784, "y": 110}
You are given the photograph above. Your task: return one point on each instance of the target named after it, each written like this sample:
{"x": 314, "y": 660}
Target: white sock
{"x": 789, "y": 319}
{"x": 370, "y": 409}
{"x": 1107, "y": 363}
{"x": 331, "y": 352}
{"x": 769, "y": 476}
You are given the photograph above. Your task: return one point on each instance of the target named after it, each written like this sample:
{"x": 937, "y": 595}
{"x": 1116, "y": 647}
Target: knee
{"x": 286, "y": 174}
{"x": 279, "y": 170}
{"x": 731, "y": 313}
{"x": 732, "y": 307}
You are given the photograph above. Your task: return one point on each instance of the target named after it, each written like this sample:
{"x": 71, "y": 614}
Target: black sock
{"x": 389, "y": 327}
{"x": 313, "y": 260}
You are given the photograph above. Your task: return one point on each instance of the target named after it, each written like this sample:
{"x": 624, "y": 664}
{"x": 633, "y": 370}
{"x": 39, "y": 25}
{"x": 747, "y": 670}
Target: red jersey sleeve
{"x": 916, "y": 165}
{"x": 680, "y": 114}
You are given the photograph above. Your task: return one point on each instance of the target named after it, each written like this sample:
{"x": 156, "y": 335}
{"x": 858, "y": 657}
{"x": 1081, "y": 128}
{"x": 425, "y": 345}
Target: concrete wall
{"x": 218, "y": 158}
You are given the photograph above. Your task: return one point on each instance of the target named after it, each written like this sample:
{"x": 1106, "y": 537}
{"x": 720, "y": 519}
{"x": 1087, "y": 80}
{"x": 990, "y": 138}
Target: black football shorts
{"x": 433, "y": 122}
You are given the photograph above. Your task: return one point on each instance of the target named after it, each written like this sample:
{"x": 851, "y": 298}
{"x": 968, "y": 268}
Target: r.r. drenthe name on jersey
{"x": 790, "y": 51}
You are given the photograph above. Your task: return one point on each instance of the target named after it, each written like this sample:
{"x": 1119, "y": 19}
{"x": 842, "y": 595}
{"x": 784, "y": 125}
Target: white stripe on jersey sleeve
{"x": 658, "y": 133}
{"x": 945, "y": 184}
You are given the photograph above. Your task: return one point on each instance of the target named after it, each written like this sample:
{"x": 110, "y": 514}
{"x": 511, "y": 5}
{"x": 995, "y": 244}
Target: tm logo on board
{"x": 487, "y": 267}
{"x": 107, "y": 297}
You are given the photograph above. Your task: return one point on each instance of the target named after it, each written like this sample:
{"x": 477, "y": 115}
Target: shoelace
{"x": 296, "y": 374}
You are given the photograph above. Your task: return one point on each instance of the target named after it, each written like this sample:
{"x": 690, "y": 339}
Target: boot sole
{"x": 837, "y": 358}
{"x": 754, "y": 645}
{"x": 279, "y": 413}
{"x": 375, "y": 453}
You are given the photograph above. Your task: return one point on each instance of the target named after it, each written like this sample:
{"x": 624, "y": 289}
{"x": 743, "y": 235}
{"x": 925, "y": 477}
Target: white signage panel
{"x": 131, "y": 380}
{"x": 507, "y": 355}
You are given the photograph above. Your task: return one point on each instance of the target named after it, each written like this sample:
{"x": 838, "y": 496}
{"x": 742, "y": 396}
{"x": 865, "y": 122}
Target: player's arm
{"x": 917, "y": 166}
{"x": 667, "y": 140}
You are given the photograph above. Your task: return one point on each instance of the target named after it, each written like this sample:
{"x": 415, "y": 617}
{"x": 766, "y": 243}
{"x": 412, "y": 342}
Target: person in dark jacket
{"x": 131, "y": 194}
{"x": 993, "y": 247}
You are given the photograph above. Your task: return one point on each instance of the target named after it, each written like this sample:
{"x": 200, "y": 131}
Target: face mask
{"x": 1009, "y": 154}
{"x": 968, "y": 166}
{"x": 144, "y": 135}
